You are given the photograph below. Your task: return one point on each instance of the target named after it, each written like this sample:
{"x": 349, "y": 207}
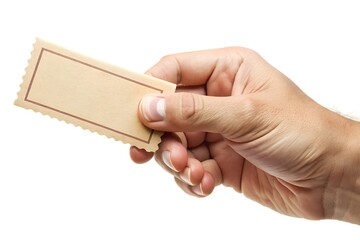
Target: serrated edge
{"x": 21, "y": 85}
{"x": 20, "y": 102}
{"x": 158, "y": 134}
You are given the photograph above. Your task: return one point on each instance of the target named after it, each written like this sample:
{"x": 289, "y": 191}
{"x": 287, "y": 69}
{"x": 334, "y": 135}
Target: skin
{"x": 236, "y": 120}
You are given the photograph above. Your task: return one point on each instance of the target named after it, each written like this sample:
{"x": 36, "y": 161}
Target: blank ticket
{"x": 89, "y": 93}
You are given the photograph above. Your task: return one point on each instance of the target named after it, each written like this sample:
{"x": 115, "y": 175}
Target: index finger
{"x": 197, "y": 68}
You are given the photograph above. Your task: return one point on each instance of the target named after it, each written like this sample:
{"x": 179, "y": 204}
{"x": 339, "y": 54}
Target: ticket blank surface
{"x": 89, "y": 93}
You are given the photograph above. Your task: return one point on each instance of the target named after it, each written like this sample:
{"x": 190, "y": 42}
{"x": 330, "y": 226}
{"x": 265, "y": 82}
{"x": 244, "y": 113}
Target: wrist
{"x": 341, "y": 197}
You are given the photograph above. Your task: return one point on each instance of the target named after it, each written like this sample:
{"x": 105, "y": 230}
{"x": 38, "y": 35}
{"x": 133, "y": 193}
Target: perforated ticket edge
{"x": 150, "y": 144}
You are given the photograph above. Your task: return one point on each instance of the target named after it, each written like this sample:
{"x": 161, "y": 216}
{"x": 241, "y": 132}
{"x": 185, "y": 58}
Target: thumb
{"x": 187, "y": 112}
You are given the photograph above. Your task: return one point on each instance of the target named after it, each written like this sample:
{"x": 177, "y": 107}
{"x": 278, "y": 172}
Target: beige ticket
{"x": 89, "y": 93}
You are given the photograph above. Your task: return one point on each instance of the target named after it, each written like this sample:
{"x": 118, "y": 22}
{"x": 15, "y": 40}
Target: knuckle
{"x": 167, "y": 57}
{"x": 246, "y": 115}
{"x": 241, "y": 50}
{"x": 185, "y": 110}
{"x": 251, "y": 111}
{"x": 188, "y": 108}
{"x": 170, "y": 67}
{"x": 244, "y": 53}
{"x": 250, "y": 106}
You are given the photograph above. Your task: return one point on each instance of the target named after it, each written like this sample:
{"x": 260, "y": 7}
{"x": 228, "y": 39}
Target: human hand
{"x": 238, "y": 121}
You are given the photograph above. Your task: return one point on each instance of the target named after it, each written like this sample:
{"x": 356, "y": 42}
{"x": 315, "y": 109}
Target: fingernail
{"x": 166, "y": 159}
{"x": 198, "y": 190}
{"x": 153, "y": 108}
{"x": 185, "y": 176}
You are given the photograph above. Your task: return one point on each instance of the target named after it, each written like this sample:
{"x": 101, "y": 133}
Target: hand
{"x": 238, "y": 121}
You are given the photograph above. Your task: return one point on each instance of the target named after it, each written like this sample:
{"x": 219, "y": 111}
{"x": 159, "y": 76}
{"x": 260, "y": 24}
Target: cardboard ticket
{"x": 89, "y": 93}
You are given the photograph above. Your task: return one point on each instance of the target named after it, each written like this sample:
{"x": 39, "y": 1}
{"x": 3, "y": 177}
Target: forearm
{"x": 342, "y": 195}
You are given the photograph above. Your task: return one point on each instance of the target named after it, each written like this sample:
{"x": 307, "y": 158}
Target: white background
{"x": 61, "y": 182}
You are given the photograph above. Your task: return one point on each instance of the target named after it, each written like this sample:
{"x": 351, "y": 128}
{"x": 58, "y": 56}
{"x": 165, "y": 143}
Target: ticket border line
{"x": 27, "y": 99}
